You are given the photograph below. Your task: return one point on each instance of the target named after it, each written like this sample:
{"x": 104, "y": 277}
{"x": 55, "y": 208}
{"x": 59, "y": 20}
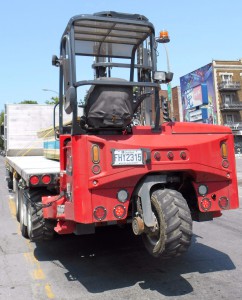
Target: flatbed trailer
{"x": 28, "y": 166}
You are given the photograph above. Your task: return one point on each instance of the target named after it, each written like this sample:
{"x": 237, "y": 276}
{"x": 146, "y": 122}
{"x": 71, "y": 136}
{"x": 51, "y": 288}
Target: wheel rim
{"x": 16, "y": 198}
{"x": 29, "y": 221}
{"x": 154, "y": 237}
{"x": 21, "y": 214}
{"x": 155, "y": 241}
{"x": 17, "y": 202}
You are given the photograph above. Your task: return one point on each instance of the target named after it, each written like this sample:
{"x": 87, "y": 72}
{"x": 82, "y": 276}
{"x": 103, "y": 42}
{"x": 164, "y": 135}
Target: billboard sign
{"x": 197, "y": 90}
{"x": 195, "y": 115}
{"x": 193, "y": 97}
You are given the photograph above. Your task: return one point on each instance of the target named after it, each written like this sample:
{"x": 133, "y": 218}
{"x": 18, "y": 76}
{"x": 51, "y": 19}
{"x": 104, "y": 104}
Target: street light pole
{"x": 164, "y": 38}
{"x": 169, "y": 89}
{"x": 167, "y": 58}
{"x": 47, "y": 90}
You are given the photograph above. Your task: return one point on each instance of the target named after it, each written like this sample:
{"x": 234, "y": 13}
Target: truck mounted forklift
{"x": 156, "y": 177}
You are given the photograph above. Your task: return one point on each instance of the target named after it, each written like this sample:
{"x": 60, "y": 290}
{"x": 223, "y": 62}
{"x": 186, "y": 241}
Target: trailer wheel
{"x": 38, "y": 228}
{"x": 173, "y": 232}
{"x": 10, "y": 181}
{"x": 22, "y": 213}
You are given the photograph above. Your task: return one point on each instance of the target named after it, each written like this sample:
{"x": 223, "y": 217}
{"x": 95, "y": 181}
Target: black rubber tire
{"x": 10, "y": 181}
{"x": 38, "y": 228}
{"x": 22, "y": 213}
{"x": 174, "y": 232}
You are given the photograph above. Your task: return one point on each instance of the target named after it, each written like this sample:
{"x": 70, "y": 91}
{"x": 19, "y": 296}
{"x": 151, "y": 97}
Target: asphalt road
{"x": 113, "y": 264}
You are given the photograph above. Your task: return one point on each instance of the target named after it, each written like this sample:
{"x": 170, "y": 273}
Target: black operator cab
{"x": 122, "y": 51}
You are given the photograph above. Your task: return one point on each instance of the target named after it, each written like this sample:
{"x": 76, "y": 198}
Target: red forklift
{"x": 156, "y": 177}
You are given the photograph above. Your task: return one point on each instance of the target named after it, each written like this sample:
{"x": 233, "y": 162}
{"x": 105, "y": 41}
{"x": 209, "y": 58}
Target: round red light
{"x": 100, "y": 213}
{"x": 183, "y": 155}
{"x": 157, "y": 155}
{"x": 34, "y": 180}
{"x": 46, "y": 179}
{"x": 223, "y": 202}
{"x": 119, "y": 211}
{"x": 206, "y": 204}
{"x": 225, "y": 163}
{"x": 170, "y": 155}
{"x": 96, "y": 169}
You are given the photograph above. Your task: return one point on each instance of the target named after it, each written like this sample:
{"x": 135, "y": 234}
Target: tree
{"x": 84, "y": 100}
{"x": 28, "y": 102}
{"x": 54, "y": 100}
{"x": 1, "y": 117}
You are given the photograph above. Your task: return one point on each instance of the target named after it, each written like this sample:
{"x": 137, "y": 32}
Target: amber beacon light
{"x": 164, "y": 37}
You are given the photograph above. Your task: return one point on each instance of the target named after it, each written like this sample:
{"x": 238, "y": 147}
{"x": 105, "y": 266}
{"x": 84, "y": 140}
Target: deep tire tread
{"x": 42, "y": 229}
{"x": 175, "y": 217}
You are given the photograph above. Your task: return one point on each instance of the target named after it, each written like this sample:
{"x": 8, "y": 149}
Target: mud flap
{"x": 143, "y": 192}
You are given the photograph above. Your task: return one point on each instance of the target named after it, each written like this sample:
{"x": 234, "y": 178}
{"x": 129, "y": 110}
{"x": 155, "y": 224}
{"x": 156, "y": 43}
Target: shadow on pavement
{"x": 114, "y": 258}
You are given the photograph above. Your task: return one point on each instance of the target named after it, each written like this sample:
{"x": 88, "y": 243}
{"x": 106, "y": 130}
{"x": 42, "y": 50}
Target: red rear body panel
{"x": 202, "y": 162}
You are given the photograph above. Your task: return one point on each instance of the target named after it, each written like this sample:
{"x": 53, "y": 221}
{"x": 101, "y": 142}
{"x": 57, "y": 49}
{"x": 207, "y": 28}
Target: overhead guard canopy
{"x": 96, "y": 35}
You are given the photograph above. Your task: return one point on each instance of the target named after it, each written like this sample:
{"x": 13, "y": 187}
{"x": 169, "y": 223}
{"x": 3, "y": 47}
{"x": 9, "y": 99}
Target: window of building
{"x": 228, "y": 98}
{"x": 229, "y": 119}
{"x": 226, "y": 77}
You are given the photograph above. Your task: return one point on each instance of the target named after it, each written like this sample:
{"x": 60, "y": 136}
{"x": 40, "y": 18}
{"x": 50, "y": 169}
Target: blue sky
{"x": 30, "y": 32}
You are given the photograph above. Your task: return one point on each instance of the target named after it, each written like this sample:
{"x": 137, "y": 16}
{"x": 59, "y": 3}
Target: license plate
{"x": 127, "y": 157}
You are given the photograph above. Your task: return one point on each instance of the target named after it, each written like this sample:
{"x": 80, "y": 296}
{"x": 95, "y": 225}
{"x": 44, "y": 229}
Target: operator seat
{"x": 109, "y": 106}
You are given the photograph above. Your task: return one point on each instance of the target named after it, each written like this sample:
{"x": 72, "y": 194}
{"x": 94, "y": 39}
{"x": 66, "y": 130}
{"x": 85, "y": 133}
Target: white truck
{"x": 23, "y": 147}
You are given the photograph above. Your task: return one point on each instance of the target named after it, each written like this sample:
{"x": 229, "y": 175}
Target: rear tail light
{"x": 95, "y": 154}
{"x": 224, "y": 150}
{"x": 100, "y": 213}
{"x": 223, "y": 202}
{"x": 224, "y": 154}
{"x": 96, "y": 169}
{"x": 157, "y": 155}
{"x": 119, "y": 211}
{"x": 170, "y": 155}
{"x": 34, "y": 180}
{"x": 206, "y": 204}
{"x": 225, "y": 163}
{"x": 46, "y": 179}
{"x": 183, "y": 155}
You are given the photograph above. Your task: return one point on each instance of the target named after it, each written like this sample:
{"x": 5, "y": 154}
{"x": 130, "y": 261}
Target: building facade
{"x": 212, "y": 94}
{"x": 175, "y": 108}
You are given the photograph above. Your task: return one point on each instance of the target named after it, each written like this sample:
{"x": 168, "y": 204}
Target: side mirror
{"x": 55, "y": 61}
{"x": 70, "y": 100}
{"x": 163, "y": 77}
